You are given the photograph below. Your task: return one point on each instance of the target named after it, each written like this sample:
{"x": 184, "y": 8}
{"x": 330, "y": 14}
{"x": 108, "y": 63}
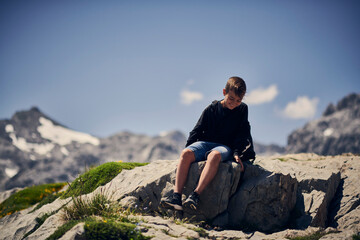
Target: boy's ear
{"x": 224, "y": 91}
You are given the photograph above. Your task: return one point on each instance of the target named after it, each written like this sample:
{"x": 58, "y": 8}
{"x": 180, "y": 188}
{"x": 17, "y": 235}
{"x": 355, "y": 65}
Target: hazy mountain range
{"x": 36, "y": 149}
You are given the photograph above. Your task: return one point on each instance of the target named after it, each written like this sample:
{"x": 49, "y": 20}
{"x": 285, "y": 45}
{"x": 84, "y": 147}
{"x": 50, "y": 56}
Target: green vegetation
{"x": 286, "y": 159}
{"x": 99, "y": 176}
{"x": 39, "y": 222}
{"x": 356, "y": 236}
{"x": 46, "y": 200}
{"x": 28, "y": 197}
{"x": 115, "y": 219}
{"x": 315, "y": 236}
{"x": 109, "y": 229}
{"x": 201, "y": 232}
{"x": 63, "y": 229}
{"x": 81, "y": 207}
{"x": 103, "y": 219}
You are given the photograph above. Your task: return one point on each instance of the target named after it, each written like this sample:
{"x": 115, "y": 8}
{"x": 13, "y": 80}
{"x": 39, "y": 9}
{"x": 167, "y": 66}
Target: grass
{"x": 81, "y": 207}
{"x": 201, "y": 232}
{"x": 28, "y": 197}
{"x": 103, "y": 219}
{"x": 356, "y": 236}
{"x": 281, "y": 159}
{"x": 116, "y": 223}
{"x": 110, "y": 229}
{"x": 99, "y": 176}
{"x": 63, "y": 229}
{"x": 314, "y": 236}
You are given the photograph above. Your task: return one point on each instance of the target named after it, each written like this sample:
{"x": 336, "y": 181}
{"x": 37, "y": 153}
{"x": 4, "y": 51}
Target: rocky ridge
{"x": 277, "y": 198}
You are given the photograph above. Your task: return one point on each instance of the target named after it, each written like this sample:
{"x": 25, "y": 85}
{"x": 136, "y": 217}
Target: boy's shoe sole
{"x": 190, "y": 205}
{"x": 171, "y": 206}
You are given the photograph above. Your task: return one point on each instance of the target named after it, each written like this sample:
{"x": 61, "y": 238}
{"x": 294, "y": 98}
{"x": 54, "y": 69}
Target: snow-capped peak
{"x": 63, "y": 136}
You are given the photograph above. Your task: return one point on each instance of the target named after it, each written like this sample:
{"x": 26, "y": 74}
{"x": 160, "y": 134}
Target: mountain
{"x": 268, "y": 150}
{"x": 336, "y": 132}
{"x": 35, "y": 149}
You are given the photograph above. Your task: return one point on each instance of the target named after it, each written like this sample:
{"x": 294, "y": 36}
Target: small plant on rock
{"x": 28, "y": 197}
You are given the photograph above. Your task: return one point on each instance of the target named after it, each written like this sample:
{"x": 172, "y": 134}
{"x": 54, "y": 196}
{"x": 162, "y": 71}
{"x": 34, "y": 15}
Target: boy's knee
{"x": 214, "y": 156}
{"x": 187, "y": 155}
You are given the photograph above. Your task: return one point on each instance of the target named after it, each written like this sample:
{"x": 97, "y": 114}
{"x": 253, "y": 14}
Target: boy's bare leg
{"x": 186, "y": 158}
{"x": 209, "y": 172}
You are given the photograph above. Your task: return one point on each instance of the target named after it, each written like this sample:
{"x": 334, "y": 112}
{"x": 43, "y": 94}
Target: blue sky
{"x": 102, "y": 67}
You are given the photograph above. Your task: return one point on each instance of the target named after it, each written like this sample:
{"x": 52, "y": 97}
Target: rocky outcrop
{"x": 318, "y": 182}
{"x": 302, "y": 192}
{"x": 264, "y": 200}
{"x": 336, "y": 132}
{"x": 150, "y": 183}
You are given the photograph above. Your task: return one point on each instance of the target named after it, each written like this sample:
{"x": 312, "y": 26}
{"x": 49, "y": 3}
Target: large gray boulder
{"x": 144, "y": 187}
{"x": 264, "y": 201}
{"x": 318, "y": 181}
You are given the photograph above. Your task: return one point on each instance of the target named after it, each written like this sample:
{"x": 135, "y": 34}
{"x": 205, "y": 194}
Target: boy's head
{"x": 237, "y": 85}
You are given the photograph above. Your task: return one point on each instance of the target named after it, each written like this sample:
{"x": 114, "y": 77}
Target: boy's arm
{"x": 198, "y": 132}
{"x": 244, "y": 149}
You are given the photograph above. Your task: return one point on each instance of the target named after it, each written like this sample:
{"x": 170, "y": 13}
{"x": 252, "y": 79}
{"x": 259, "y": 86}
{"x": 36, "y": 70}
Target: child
{"x": 222, "y": 133}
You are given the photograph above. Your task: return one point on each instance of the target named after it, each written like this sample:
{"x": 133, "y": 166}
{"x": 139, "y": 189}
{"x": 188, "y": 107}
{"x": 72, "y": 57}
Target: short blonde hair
{"x": 237, "y": 85}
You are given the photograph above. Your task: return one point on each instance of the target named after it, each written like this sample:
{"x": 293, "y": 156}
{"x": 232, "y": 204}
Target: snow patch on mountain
{"x": 23, "y": 145}
{"x": 9, "y": 128}
{"x": 328, "y": 132}
{"x": 10, "y": 172}
{"x": 63, "y": 136}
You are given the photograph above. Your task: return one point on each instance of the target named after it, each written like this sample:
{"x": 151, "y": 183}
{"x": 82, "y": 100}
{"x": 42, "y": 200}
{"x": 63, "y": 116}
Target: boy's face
{"x": 231, "y": 100}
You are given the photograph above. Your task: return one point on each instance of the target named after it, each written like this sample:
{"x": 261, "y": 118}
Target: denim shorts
{"x": 202, "y": 149}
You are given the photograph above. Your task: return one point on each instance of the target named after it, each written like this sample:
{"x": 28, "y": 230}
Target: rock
{"x": 15, "y": 226}
{"x": 347, "y": 198}
{"x": 306, "y": 192}
{"x": 264, "y": 200}
{"x": 48, "y": 227}
{"x": 318, "y": 179}
{"x": 76, "y": 233}
{"x": 169, "y": 228}
{"x": 146, "y": 189}
{"x": 4, "y": 195}
{"x": 215, "y": 198}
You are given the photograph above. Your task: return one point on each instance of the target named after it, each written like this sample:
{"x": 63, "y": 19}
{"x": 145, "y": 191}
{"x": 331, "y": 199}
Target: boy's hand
{"x": 238, "y": 160}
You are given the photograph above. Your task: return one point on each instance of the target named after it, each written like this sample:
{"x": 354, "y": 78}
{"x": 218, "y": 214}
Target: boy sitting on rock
{"x": 222, "y": 133}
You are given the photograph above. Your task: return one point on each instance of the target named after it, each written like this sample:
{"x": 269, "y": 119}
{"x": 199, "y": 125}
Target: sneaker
{"x": 172, "y": 202}
{"x": 192, "y": 201}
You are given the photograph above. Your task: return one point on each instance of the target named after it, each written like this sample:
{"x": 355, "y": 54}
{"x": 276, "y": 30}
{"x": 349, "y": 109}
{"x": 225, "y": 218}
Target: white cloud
{"x": 261, "y": 95}
{"x": 188, "y": 97}
{"x": 303, "y": 107}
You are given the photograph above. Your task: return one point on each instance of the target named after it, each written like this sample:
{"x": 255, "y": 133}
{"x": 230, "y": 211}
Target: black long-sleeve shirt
{"x": 228, "y": 127}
